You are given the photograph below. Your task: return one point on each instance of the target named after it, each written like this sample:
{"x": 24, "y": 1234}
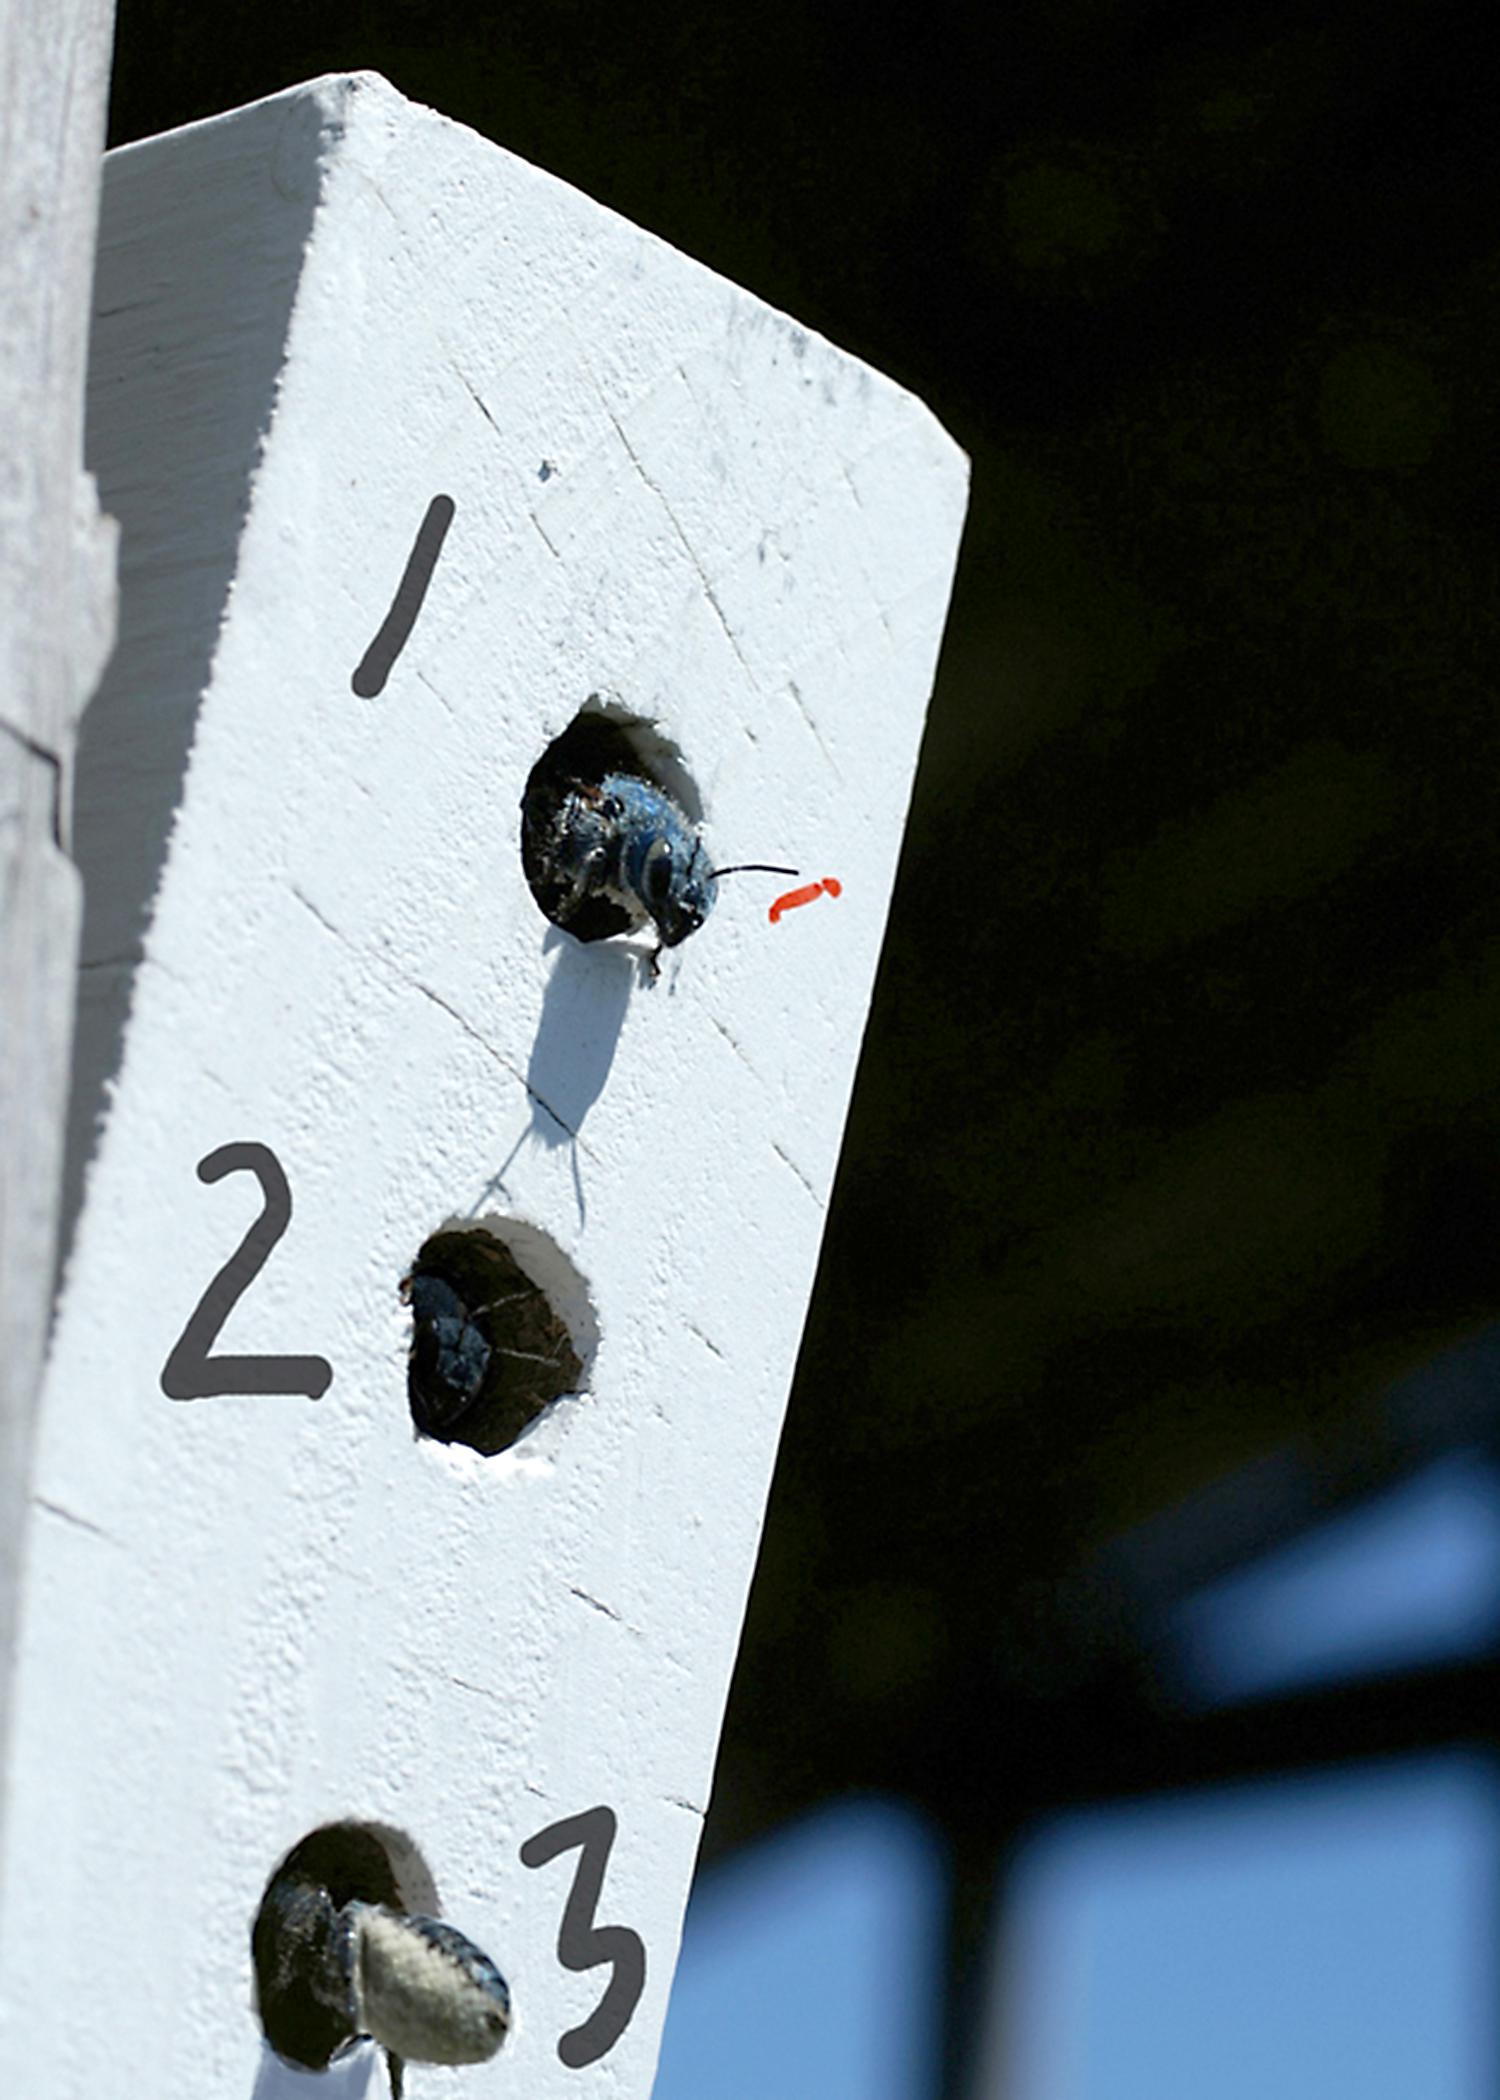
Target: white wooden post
{"x": 417, "y": 451}
{"x": 56, "y": 617}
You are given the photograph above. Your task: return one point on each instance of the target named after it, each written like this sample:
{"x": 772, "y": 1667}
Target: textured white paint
{"x": 249, "y": 1615}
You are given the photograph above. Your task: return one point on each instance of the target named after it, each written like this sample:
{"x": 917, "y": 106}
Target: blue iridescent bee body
{"x": 607, "y": 849}
{"x": 627, "y": 843}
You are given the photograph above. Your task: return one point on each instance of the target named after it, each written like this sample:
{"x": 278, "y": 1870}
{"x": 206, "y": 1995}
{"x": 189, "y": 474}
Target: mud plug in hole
{"x": 490, "y": 1346}
{"x": 347, "y": 1947}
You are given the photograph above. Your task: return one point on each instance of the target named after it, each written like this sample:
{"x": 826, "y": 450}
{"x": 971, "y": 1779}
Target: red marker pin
{"x": 830, "y": 886}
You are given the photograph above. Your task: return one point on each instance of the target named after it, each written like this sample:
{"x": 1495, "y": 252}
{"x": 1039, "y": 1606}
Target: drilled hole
{"x": 334, "y": 1865}
{"x": 348, "y": 1946}
{"x": 599, "y": 798}
{"x": 501, "y": 1328}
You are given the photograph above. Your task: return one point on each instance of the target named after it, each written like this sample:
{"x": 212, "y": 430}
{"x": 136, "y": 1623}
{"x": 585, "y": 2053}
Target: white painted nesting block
{"x": 254, "y": 1613}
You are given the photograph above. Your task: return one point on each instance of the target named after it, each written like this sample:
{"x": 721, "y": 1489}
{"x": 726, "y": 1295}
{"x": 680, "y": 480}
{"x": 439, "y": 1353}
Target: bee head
{"x": 669, "y": 873}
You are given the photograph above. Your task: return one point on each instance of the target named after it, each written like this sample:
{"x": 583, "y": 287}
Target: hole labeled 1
{"x": 610, "y": 838}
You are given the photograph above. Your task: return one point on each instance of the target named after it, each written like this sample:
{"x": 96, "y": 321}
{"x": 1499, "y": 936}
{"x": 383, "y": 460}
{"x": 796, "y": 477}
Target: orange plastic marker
{"x": 790, "y": 901}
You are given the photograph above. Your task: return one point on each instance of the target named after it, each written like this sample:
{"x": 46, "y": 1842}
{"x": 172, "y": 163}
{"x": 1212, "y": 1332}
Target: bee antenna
{"x": 752, "y": 867}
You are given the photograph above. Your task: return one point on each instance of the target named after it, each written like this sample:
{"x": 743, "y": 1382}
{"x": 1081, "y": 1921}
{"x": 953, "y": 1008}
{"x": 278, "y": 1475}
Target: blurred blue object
{"x": 1305, "y": 1939}
{"x": 810, "y": 1967}
{"x": 1410, "y": 1577}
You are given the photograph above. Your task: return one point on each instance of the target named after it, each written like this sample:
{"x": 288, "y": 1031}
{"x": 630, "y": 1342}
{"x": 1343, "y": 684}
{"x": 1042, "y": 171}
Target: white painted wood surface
{"x": 56, "y": 615}
{"x": 248, "y": 1615}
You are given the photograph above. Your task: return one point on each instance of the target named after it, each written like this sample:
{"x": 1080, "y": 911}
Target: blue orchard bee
{"x": 488, "y": 1353}
{"x": 338, "y": 1958}
{"x": 607, "y": 849}
{"x": 450, "y": 1354}
{"x": 627, "y": 842}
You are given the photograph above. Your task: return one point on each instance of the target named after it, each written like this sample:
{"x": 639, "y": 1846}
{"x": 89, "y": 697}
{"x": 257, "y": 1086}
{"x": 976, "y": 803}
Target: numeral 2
{"x": 581, "y": 1944}
{"x": 190, "y": 1373}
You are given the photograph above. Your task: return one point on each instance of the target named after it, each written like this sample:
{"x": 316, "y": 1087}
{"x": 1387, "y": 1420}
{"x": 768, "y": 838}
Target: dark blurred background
{"x": 1176, "y": 1145}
